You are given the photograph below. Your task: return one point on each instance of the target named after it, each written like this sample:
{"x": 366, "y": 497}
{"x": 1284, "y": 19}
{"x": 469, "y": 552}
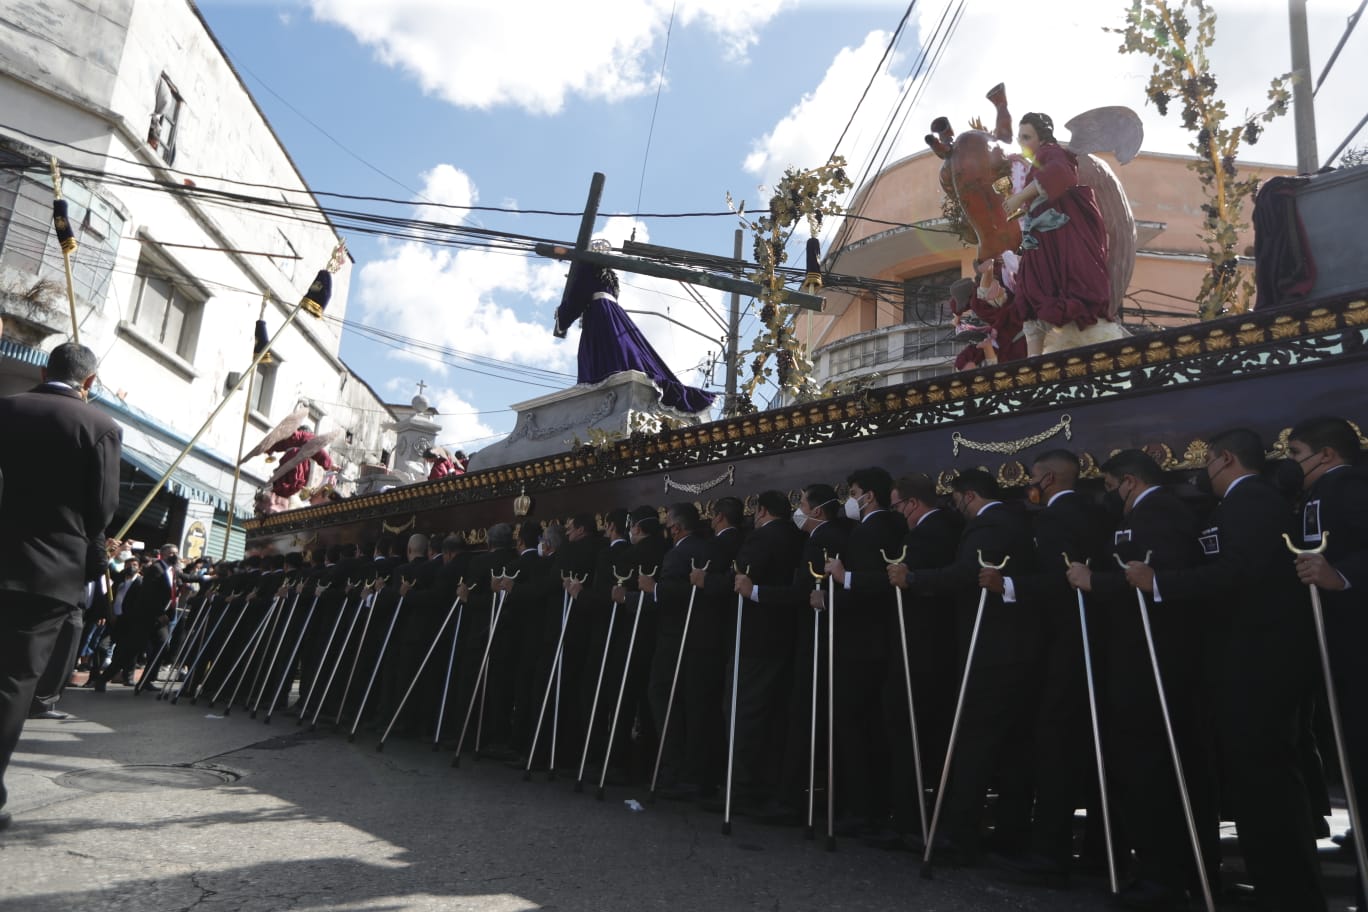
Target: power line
{"x": 660, "y": 84}
{"x": 873, "y": 76}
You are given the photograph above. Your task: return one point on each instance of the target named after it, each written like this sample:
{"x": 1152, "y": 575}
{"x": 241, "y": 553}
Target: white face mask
{"x": 852, "y": 507}
{"x": 800, "y": 518}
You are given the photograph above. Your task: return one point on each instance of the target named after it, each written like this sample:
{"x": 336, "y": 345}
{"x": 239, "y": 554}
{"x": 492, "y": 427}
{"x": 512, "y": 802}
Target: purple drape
{"x": 611, "y": 343}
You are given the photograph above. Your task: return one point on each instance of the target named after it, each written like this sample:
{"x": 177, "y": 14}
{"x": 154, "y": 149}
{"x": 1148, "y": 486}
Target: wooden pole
{"x": 66, "y": 255}
{"x": 242, "y": 440}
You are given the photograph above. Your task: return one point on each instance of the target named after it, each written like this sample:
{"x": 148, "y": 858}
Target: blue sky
{"x": 516, "y": 104}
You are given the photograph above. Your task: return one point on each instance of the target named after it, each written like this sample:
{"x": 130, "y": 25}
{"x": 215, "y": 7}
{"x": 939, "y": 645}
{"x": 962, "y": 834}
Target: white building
{"x": 148, "y": 120}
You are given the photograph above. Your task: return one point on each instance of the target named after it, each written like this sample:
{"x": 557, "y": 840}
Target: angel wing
{"x": 285, "y": 428}
{"x": 1115, "y": 129}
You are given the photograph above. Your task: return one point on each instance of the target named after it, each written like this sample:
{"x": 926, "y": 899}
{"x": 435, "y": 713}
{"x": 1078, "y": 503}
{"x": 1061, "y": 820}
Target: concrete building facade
{"x": 152, "y": 126}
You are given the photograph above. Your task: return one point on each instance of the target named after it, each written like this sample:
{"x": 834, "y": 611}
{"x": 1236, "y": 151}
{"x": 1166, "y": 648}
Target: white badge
{"x": 1121, "y": 537}
{"x": 1311, "y": 522}
{"x": 1210, "y": 541}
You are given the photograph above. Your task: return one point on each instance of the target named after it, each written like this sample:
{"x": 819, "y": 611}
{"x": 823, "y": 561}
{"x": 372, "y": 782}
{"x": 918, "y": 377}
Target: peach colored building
{"x": 879, "y": 341}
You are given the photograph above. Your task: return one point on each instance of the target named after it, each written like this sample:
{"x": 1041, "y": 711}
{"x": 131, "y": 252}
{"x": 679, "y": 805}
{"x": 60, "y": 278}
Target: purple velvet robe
{"x": 611, "y": 343}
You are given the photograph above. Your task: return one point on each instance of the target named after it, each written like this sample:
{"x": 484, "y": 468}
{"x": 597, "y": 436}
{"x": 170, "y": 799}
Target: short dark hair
{"x": 1242, "y": 443}
{"x": 529, "y": 533}
{"x": 333, "y": 554}
{"x": 617, "y": 519}
{"x": 71, "y": 362}
{"x": 1061, "y": 457}
{"x": 348, "y": 550}
{"x": 294, "y": 560}
{"x": 1134, "y": 462}
{"x": 584, "y": 521}
{"x": 917, "y": 486}
{"x": 1325, "y": 431}
{"x": 686, "y": 514}
{"x": 823, "y": 497}
{"x": 731, "y": 509}
{"x": 876, "y": 481}
{"x": 776, "y": 504}
{"x": 1044, "y": 125}
{"x": 452, "y": 544}
{"x": 976, "y": 481}
{"x": 384, "y": 544}
{"x": 647, "y": 517}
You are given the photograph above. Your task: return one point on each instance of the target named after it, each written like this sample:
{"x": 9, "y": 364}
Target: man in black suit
{"x": 1000, "y": 698}
{"x": 1262, "y": 652}
{"x": 1071, "y": 525}
{"x": 820, "y": 518}
{"x": 481, "y": 593}
{"x": 1324, "y": 453}
{"x": 693, "y": 747}
{"x": 767, "y": 557}
{"x": 605, "y": 648}
{"x": 1154, "y": 523}
{"x": 727, "y": 521}
{"x": 862, "y": 652}
{"x": 51, "y": 536}
{"x": 931, "y": 541}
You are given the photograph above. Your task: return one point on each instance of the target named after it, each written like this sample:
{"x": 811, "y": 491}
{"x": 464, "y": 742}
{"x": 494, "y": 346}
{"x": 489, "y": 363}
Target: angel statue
{"x": 1055, "y": 256}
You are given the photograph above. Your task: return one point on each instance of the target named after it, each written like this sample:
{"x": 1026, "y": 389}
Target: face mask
{"x": 1289, "y": 476}
{"x": 1114, "y": 501}
{"x": 800, "y": 518}
{"x": 1203, "y": 483}
{"x": 852, "y": 508}
{"x": 1034, "y": 494}
{"x": 541, "y": 549}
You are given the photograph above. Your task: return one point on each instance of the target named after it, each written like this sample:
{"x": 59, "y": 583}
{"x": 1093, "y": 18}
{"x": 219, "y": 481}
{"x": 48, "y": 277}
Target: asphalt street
{"x": 134, "y": 804}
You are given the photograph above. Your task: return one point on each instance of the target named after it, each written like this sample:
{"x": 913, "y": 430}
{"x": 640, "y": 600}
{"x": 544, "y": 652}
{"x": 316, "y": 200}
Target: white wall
{"x": 86, "y": 74}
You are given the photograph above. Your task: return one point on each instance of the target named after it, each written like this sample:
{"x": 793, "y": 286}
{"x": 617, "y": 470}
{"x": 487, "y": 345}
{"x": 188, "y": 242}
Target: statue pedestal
{"x": 550, "y": 424}
{"x": 415, "y": 434}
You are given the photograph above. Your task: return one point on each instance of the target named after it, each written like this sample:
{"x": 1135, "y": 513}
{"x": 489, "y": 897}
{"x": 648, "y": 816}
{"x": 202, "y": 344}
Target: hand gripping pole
{"x": 911, "y": 708}
{"x": 1097, "y": 737}
{"x": 736, "y": 680}
{"x": 674, "y": 682}
{"x": 959, "y": 711}
{"x": 1173, "y": 742}
{"x": 598, "y": 687}
{"x": 1332, "y": 703}
{"x": 626, "y": 667}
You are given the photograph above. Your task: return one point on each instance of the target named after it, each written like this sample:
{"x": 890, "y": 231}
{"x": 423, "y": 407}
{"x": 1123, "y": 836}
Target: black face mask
{"x": 1203, "y": 483}
{"x": 1114, "y": 502}
{"x": 1289, "y": 477}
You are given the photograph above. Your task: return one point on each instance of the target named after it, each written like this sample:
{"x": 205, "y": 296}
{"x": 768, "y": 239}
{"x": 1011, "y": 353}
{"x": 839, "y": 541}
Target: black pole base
{"x": 809, "y": 833}
{"x": 456, "y": 762}
{"x": 579, "y": 786}
{"x": 598, "y": 793}
{"x": 527, "y": 775}
{"x": 926, "y": 872}
{"x": 253, "y": 714}
{"x": 380, "y": 748}
{"x": 351, "y": 737}
{"x": 831, "y": 844}
{"x": 550, "y": 775}
{"x": 726, "y": 828}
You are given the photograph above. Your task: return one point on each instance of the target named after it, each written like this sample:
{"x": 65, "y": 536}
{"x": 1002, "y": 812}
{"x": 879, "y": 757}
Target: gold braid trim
{"x": 1012, "y": 447}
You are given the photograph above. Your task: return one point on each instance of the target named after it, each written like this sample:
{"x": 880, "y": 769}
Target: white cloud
{"x": 500, "y": 305}
{"x": 478, "y": 54}
{"x": 1076, "y": 69}
{"x": 463, "y": 427}
{"x": 804, "y": 137}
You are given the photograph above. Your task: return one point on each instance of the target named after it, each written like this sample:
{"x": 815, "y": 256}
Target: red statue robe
{"x": 298, "y": 478}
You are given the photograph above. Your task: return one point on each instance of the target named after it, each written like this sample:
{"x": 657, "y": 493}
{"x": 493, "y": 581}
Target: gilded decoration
{"x": 1293, "y": 336}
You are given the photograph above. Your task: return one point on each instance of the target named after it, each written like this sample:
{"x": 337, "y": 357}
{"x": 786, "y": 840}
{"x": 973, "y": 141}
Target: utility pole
{"x": 733, "y": 330}
{"x": 1303, "y": 106}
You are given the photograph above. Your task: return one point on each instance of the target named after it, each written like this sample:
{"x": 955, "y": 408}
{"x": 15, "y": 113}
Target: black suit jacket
{"x": 1338, "y": 504}
{"x": 1072, "y": 525}
{"x": 673, "y": 590}
{"x": 1010, "y": 634}
{"x": 60, "y": 457}
{"x": 1246, "y": 584}
{"x": 770, "y": 556}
